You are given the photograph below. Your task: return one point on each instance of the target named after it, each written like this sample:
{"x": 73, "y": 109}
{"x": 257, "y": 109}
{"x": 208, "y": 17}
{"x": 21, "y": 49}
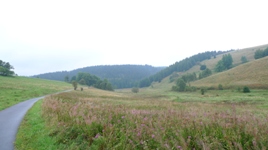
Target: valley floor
{"x": 150, "y": 119}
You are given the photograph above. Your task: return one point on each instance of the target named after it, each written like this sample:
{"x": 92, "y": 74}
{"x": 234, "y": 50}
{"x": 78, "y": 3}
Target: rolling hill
{"x": 252, "y": 74}
{"x": 120, "y": 76}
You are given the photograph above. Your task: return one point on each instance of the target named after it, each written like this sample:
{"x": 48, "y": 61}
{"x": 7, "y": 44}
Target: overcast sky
{"x": 46, "y": 36}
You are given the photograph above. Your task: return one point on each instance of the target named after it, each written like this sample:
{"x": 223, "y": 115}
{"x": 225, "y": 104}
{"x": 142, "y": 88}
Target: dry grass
{"x": 236, "y": 55}
{"x": 252, "y": 74}
{"x": 96, "y": 119}
{"x": 253, "y": 77}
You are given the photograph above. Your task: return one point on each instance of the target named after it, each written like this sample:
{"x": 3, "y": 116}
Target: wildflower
{"x": 123, "y": 117}
{"x": 97, "y": 136}
{"x": 179, "y": 147}
{"x": 153, "y": 135}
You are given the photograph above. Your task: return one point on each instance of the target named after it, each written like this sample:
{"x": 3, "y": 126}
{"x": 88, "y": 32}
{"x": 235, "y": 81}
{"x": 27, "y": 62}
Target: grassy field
{"x": 151, "y": 119}
{"x": 17, "y": 89}
{"x": 236, "y": 55}
{"x": 252, "y": 74}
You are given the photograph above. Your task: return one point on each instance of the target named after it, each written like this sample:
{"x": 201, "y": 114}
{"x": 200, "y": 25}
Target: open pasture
{"x": 17, "y": 89}
{"x": 96, "y": 119}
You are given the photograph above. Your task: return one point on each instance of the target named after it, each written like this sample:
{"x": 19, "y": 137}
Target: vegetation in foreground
{"x": 33, "y": 134}
{"x": 17, "y": 89}
{"x": 96, "y": 119}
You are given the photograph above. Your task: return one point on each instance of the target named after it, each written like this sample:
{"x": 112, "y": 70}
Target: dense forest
{"x": 180, "y": 66}
{"x": 120, "y": 76}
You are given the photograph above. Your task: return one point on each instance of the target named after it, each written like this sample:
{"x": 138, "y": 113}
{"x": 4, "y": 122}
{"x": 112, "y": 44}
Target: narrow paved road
{"x": 10, "y": 119}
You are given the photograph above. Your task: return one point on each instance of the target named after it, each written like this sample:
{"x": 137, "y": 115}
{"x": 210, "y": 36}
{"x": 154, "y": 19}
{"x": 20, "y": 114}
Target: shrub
{"x": 244, "y": 59}
{"x": 246, "y": 90}
{"x": 135, "y": 90}
{"x": 203, "y": 67}
{"x": 190, "y": 88}
{"x": 203, "y": 91}
{"x": 220, "y": 87}
{"x": 181, "y": 85}
{"x": 74, "y": 83}
{"x": 175, "y": 88}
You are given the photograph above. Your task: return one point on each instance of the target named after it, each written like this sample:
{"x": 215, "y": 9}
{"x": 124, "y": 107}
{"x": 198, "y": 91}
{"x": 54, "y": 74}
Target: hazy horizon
{"x": 39, "y": 37}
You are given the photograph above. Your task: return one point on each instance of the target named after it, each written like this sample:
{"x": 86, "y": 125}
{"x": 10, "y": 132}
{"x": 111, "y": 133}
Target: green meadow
{"x": 17, "y": 89}
{"x": 150, "y": 119}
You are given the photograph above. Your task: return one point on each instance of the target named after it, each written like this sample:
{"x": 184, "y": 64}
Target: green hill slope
{"x": 17, "y": 89}
{"x": 236, "y": 55}
{"x": 252, "y": 74}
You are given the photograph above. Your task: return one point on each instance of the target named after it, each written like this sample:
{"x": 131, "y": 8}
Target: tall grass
{"x": 86, "y": 120}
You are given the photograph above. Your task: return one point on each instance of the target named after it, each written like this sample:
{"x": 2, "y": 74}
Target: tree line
{"x": 89, "y": 80}
{"x": 261, "y": 53}
{"x": 180, "y": 66}
{"x": 183, "y": 82}
{"x": 6, "y": 69}
{"x": 120, "y": 76}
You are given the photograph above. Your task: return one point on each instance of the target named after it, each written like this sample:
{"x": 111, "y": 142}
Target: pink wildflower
{"x": 97, "y": 136}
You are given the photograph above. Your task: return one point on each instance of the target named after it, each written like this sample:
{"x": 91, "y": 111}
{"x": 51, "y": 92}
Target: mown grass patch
{"x": 17, "y": 89}
{"x": 94, "y": 119}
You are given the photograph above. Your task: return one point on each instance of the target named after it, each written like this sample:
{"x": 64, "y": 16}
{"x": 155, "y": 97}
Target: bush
{"x": 246, "y": 90}
{"x": 74, "y": 83}
{"x": 175, "y": 88}
{"x": 203, "y": 91}
{"x": 190, "y": 88}
{"x": 181, "y": 85}
{"x": 203, "y": 67}
{"x": 220, "y": 87}
{"x": 135, "y": 90}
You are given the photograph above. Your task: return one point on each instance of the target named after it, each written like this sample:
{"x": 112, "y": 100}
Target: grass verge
{"x": 33, "y": 133}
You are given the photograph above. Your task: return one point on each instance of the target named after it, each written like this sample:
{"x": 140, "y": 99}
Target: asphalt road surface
{"x": 10, "y": 119}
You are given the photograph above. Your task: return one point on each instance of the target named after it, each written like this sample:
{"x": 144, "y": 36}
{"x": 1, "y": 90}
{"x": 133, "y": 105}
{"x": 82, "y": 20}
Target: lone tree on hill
{"x": 74, "y": 83}
{"x": 244, "y": 59}
{"x": 6, "y": 69}
{"x": 225, "y": 63}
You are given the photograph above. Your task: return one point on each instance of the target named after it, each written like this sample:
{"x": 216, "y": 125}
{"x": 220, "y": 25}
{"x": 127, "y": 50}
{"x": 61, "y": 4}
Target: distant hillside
{"x": 252, "y": 74}
{"x": 121, "y": 76}
{"x": 181, "y": 66}
{"x": 237, "y": 54}
{"x": 254, "y": 71}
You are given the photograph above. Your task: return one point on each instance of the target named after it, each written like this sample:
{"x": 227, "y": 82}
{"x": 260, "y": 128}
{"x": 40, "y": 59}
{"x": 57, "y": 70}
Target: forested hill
{"x": 180, "y": 66}
{"x": 120, "y": 76}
